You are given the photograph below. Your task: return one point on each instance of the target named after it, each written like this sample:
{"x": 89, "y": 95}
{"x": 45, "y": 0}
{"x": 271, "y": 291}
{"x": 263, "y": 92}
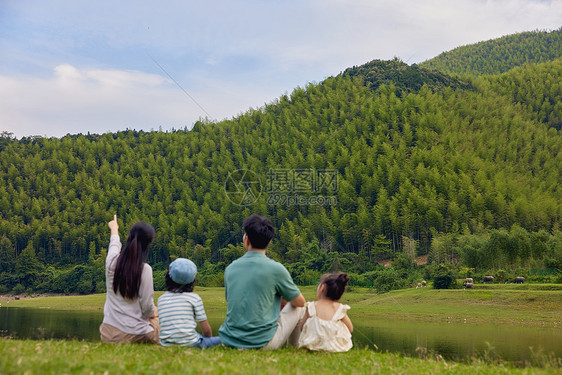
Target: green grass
{"x": 65, "y": 357}
{"x": 527, "y": 286}
{"x": 61, "y": 302}
{"x": 521, "y": 307}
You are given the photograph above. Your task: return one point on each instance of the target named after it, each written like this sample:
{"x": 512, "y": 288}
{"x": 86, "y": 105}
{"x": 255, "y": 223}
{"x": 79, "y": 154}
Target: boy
{"x": 180, "y": 309}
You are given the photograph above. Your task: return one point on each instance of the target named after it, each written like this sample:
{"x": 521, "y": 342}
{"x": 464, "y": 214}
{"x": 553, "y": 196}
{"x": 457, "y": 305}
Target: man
{"x": 254, "y": 285}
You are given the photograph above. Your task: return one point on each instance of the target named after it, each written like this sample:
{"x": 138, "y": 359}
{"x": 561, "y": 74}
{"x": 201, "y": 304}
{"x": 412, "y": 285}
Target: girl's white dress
{"x": 327, "y": 335}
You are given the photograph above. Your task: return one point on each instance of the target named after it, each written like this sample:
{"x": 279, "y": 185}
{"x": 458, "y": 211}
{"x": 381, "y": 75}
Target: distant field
{"x": 498, "y": 305}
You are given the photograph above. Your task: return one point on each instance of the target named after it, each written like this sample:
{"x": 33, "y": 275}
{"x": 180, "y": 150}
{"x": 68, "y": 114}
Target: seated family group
{"x": 256, "y": 288}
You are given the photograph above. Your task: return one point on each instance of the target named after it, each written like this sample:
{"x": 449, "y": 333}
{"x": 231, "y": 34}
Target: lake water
{"x": 43, "y": 324}
{"x": 452, "y": 341}
{"x": 461, "y": 341}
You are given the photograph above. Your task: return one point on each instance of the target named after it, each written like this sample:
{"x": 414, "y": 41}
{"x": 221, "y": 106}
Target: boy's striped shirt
{"x": 179, "y": 314}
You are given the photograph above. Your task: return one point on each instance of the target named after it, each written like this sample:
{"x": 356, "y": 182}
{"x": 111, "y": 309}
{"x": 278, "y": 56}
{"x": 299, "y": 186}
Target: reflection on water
{"x": 452, "y": 341}
{"x": 460, "y": 341}
{"x": 41, "y": 324}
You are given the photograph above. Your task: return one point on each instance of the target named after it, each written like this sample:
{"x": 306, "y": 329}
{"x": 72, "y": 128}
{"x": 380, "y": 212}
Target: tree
{"x": 7, "y": 260}
{"x": 409, "y": 245}
{"x": 27, "y": 263}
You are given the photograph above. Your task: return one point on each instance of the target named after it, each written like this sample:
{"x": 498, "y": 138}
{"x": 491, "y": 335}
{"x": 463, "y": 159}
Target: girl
{"x": 129, "y": 314}
{"x": 325, "y": 325}
{"x": 181, "y": 309}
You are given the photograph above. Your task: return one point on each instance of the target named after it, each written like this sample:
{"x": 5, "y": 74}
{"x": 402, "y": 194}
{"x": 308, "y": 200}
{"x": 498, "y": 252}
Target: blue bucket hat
{"x": 182, "y": 271}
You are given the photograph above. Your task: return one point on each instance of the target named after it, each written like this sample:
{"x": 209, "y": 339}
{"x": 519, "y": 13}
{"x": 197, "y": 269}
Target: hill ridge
{"x": 499, "y": 55}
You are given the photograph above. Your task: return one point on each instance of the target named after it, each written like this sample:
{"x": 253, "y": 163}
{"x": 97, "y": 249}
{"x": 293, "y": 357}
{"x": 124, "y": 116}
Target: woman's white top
{"x": 327, "y": 335}
{"x": 130, "y": 316}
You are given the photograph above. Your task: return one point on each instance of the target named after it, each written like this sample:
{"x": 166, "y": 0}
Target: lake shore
{"x": 16, "y": 297}
{"x": 538, "y": 306}
{"x": 530, "y": 305}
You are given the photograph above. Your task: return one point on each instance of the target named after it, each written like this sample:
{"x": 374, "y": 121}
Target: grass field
{"x": 74, "y": 357}
{"x": 522, "y": 307}
{"x": 500, "y": 304}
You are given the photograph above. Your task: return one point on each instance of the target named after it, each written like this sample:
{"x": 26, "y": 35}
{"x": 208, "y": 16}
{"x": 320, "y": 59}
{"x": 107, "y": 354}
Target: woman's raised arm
{"x": 113, "y": 226}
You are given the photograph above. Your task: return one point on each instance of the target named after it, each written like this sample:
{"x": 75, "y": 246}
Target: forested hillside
{"x": 403, "y": 77}
{"x": 499, "y": 55}
{"x": 467, "y": 171}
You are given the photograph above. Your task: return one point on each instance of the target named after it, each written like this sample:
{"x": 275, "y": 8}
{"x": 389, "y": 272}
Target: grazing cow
{"x": 469, "y": 285}
{"x": 488, "y": 279}
{"x": 418, "y": 286}
{"x": 468, "y": 280}
{"x": 424, "y": 283}
{"x": 519, "y": 280}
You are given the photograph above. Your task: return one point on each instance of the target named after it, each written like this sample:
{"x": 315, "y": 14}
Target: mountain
{"x": 499, "y": 55}
{"x": 381, "y": 159}
{"x": 405, "y": 78}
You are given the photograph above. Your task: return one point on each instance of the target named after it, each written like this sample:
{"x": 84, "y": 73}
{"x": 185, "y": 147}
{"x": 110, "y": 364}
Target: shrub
{"x": 389, "y": 279}
{"x": 100, "y": 287}
{"x": 308, "y": 277}
{"x": 85, "y": 287}
{"x": 466, "y": 272}
{"x": 356, "y": 279}
{"x": 443, "y": 282}
{"x": 404, "y": 262}
{"x": 18, "y": 289}
{"x": 501, "y": 276}
{"x": 444, "y": 277}
{"x": 216, "y": 279}
{"x": 159, "y": 279}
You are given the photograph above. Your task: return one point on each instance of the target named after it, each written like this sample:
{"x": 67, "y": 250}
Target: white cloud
{"x": 74, "y": 100}
{"x": 118, "y": 78}
{"x": 228, "y": 55}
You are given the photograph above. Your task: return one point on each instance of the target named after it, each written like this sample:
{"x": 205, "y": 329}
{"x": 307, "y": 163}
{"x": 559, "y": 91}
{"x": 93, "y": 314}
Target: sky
{"x": 73, "y": 66}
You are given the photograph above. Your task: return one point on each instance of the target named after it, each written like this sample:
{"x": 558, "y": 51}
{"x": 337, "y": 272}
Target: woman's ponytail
{"x": 130, "y": 263}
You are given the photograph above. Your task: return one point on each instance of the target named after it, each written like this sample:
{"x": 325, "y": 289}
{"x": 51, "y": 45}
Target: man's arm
{"x": 299, "y": 301}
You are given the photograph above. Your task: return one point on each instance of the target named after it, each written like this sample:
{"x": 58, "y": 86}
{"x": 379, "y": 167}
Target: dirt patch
{"x": 385, "y": 262}
{"x": 420, "y": 261}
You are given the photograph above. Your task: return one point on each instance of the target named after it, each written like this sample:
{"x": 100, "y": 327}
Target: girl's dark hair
{"x": 174, "y": 287}
{"x": 335, "y": 284}
{"x": 130, "y": 263}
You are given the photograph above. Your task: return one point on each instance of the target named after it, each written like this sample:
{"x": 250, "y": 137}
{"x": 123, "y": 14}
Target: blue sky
{"x": 93, "y": 66}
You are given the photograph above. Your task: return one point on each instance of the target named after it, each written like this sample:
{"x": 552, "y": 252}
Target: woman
{"x": 129, "y": 314}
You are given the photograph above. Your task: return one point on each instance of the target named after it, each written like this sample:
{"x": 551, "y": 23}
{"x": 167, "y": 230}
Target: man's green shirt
{"x": 254, "y": 285}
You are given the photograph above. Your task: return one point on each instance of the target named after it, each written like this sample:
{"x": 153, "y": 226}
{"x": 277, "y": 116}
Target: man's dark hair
{"x": 259, "y": 230}
{"x": 174, "y": 287}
